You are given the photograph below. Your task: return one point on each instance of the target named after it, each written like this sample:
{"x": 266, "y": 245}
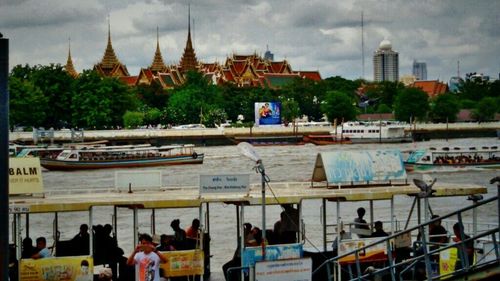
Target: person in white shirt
{"x": 146, "y": 259}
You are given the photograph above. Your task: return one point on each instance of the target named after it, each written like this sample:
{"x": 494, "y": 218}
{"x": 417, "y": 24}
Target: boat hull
{"x": 411, "y": 167}
{"x": 65, "y": 165}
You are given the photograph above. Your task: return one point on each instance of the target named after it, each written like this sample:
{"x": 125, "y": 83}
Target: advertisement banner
{"x": 57, "y": 269}
{"x": 251, "y": 255}
{"x": 25, "y": 175}
{"x": 447, "y": 261}
{"x": 291, "y": 270}
{"x": 377, "y": 252}
{"x": 183, "y": 263}
{"x": 267, "y": 113}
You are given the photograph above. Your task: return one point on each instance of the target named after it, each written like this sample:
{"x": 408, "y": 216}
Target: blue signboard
{"x": 273, "y": 252}
{"x": 338, "y": 167}
{"x": 268, "y": 113}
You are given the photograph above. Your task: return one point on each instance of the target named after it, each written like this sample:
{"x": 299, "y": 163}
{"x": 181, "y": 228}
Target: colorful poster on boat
{"x": 291, "y": 270}
{"x": 183, "y": 263}
{"x": 57, "y": 269}
{"x": 251, "y": 255}
{"x": 267, "y": 113}
{"x": 447, "y": 261}
{"x": 25, "y": 175}
{"x": 359, "y": 167}
{"x": 377, "y": 252}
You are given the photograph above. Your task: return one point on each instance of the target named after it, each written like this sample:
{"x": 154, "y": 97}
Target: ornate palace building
{"x": 249, "y": 70}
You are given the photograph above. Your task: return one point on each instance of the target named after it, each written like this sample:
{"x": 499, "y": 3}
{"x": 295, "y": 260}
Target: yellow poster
{"x": 447, "y": 261}
{"x": 183, "y": 263}
{"x": 25, "y": 175}
{"x": 57, "y": 269}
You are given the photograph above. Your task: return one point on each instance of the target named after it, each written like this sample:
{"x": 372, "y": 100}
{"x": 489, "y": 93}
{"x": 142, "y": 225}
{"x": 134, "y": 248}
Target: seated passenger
{"x": 379, "y": 230}
{"x": 43, "y": 251}
{"x": 179, "y": 235}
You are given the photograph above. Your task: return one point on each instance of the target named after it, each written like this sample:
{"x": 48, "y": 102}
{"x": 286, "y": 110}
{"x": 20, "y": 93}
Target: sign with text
{"x": 238, "y": 183}
{"x": 137, "y": 179}
{"x": 251, "y": 255}
{"x": 57, "y": 269}
{"x": 292, "y": 270}
{"x": 183, "y": 263}
{"x": 25, "y": 175}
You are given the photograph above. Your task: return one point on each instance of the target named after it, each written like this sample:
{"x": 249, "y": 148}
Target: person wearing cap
{"x": 146, "y": 259}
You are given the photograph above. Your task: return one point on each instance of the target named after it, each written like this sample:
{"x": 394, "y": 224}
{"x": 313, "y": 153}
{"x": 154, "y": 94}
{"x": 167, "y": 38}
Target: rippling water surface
{"x": 282, "y": 163}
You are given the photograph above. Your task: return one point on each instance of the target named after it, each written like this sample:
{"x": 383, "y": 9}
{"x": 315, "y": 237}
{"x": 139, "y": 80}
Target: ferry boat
{"x": 373, "y": 131}
{"x": 454, "y": 157}
{"x": 123, "y": 157}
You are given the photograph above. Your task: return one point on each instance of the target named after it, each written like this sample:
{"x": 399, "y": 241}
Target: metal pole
{"x": 242, "y": 239}
{"x": 324, "y": 224}
{"x": 263, "y": 180}
{"x": 371, "y": 214}
{"x": 392, "y": 215}
{"x": 115, "y": 222}
{"x": 4, "y": 158}
{"x": 91, "y": 232}
{"x": 153, "y": 222}
{"x": 339, "y": 273}
{"x": 136, "y": 227}
{"x": 18, "y": 236}
{"x": 300, "y": 222}
{"x": 27, "y": 225}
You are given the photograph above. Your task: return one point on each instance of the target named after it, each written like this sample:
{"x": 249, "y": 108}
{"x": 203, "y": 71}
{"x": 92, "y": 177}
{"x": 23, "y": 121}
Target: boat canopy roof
{"x": 189, "y": 197}
{"x": 131, "y": 148}
{"x": 347, "y": 167}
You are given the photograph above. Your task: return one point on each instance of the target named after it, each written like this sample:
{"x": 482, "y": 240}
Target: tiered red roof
{"x": 431, "y": 87}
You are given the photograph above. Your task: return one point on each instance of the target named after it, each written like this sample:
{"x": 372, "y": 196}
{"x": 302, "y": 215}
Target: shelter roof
{"x": 185, "y": 197}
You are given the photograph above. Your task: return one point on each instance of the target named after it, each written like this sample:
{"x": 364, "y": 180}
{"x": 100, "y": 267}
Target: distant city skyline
{"x": 312, "y": 35}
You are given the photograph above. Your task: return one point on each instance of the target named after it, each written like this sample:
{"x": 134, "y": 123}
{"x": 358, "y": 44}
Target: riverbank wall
{"x": 227, "y": 136}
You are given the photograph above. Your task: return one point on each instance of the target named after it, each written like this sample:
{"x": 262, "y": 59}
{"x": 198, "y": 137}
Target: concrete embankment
{"x": 229, "y": 135}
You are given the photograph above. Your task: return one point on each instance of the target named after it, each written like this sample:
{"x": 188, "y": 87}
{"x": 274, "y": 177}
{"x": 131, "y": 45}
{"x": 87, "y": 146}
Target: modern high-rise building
{"x": 420, "y": 70}
{"x": 268, "y": 55}
{"x": 385, "y": 63}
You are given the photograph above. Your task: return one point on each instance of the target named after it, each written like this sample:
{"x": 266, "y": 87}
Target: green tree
{"x": 28, "y": 105}
{"x": 308, "y": 94}
{"x": 485, "y": 110}
{"x": 338, "y": 105}
{"x": 383, "y": 108}
{"x": 410, "y": 104}
{"x": 445, "y": 108}
{"x": 384, "y": 92}
{"x": 100, "y": 102}
{"x": 214, "y": 116}
{"x": 133, "y": 119}
{"x": 290, "y": 110}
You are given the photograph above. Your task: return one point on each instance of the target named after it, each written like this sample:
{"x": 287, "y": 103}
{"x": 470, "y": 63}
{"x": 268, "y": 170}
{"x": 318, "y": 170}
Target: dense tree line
{"x": 46, "y": 96}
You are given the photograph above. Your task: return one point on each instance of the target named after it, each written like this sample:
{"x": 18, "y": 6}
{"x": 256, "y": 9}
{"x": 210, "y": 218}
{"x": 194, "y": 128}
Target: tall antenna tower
{"x": 362, "y": 46}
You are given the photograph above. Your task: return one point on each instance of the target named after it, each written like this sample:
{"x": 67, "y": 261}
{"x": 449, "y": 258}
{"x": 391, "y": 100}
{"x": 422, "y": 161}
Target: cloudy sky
{"x": 322, "y": 35}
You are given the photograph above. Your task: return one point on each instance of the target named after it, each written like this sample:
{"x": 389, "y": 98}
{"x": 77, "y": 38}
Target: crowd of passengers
{"x": 106, "y": 251}
{"x": 464, "y": 159}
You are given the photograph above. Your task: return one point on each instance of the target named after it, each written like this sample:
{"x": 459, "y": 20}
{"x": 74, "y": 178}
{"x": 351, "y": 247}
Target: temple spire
{"x": 188, "y": 60}
{"x": 158, "y": 65}
{"x": 110, "y": 65}
{"x": 69, "y": 63}
{"x": 109, "y": 59}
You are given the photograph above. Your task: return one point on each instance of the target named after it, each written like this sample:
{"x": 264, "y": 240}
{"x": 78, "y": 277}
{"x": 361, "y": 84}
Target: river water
{"x": 282, "y": 163}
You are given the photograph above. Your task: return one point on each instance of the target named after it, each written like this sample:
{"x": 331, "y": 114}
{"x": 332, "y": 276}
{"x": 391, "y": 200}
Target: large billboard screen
{"x": 267, "y": 113}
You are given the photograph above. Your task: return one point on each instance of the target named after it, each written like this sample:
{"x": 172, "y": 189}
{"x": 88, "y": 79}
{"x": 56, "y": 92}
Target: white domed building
{"x": 385, "y": 63}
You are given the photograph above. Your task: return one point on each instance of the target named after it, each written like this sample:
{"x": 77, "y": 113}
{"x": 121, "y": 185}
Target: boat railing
{"x": 398, "y": 267}
{"x": 331, "y": 229}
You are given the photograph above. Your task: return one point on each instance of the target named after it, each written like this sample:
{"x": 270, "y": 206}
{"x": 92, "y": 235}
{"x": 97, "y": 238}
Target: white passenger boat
{"x": 373, "y": 131}
{"x": 454, "y": 157}
{"x": 123, "y": 157}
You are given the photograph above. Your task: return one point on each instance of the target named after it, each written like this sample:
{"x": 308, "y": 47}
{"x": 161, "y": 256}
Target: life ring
{"x": 195, "y": 155}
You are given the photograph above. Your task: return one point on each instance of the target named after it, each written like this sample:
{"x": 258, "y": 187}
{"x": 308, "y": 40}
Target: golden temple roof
{"x": 158, "y": 65}
{"x": 69, "y": 64}
{"x": 188, "y": 60}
